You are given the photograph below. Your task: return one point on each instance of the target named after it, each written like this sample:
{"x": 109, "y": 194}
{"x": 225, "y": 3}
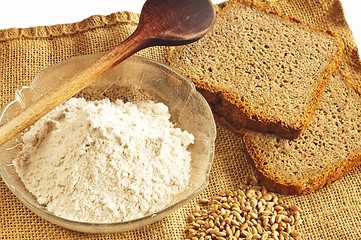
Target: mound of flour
{"x": 103, "y": 161}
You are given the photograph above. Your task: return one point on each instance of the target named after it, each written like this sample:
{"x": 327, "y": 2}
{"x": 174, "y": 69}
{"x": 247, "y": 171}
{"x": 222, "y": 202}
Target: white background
{"x": 30, "y": 13}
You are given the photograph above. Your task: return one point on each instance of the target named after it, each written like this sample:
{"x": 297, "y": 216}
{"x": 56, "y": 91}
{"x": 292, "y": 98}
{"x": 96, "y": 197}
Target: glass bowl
{"x": 136, "y": 78}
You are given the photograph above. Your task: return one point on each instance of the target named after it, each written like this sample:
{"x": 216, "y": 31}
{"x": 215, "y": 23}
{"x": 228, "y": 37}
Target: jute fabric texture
{"x": 333, "y": 212}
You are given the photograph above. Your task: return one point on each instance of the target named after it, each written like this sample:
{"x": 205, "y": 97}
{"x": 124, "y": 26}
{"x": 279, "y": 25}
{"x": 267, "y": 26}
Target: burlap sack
{"x": 333, "y": 212}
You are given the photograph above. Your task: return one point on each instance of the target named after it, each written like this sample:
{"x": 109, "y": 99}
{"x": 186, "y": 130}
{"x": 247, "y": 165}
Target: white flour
{"x": 105, "y": 162}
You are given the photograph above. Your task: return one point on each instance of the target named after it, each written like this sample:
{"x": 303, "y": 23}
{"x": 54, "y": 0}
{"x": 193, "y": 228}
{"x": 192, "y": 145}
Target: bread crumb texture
{"x": 325, "y": 151}
{"x": 270, "y": 66}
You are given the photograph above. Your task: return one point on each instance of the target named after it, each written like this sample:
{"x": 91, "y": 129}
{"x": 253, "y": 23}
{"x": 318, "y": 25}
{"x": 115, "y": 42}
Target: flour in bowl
{"x": 102, "y": 161}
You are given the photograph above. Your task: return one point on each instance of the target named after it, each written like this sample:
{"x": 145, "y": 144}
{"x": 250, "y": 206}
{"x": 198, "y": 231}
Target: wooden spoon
{"x": 162, "y": 23}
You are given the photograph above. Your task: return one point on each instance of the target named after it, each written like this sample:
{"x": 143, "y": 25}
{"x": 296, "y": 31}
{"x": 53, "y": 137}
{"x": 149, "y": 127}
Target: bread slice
{"x": 329, "y": 147}
{"x": 260, "y": 70}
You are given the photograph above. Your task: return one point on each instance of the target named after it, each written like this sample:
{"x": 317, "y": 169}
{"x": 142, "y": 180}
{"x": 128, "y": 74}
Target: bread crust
{"x": 238, "y": 115}
{"x": 236, "y": 118}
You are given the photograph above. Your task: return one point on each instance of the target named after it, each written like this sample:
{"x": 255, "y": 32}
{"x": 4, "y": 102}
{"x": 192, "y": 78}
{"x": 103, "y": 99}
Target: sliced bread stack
{"x": 273, "y": 79}
{"x": 260, "y": 70}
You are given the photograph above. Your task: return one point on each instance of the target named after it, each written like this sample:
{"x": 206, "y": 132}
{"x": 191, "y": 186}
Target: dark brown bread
{"x": 329, "y": 148}
{"x": 260, "y": 70}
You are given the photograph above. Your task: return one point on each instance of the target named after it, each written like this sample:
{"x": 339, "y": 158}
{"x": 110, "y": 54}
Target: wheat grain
{"x": 250, "y": 212}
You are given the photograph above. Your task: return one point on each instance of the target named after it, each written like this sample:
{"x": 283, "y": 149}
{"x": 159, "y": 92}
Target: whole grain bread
{"x": 260, "y": 70}
{"x": 329, "y": 148}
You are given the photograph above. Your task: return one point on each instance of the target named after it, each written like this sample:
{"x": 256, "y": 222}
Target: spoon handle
{"x": 73, "y": 85}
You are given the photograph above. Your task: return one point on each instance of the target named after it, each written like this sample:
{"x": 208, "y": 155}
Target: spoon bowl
{"x": 173, "y": 23}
